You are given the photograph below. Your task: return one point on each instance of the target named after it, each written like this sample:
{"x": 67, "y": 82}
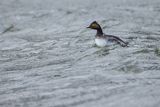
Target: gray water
{"x": 48, "y": 57}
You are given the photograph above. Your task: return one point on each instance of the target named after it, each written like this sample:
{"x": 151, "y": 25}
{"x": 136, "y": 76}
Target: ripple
{"x": 48, "y": 57}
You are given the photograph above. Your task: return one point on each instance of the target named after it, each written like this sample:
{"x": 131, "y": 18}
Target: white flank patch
{"x": 102, "y": 42}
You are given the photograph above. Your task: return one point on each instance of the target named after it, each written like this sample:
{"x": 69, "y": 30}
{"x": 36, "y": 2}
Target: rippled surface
{"x": 48, "y": 57}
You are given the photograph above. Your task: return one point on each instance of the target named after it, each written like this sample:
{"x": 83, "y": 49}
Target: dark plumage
{"x": 102, "y": 39}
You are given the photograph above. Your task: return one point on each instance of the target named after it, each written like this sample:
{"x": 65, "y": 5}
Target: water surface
{"x": 48, "y": 57}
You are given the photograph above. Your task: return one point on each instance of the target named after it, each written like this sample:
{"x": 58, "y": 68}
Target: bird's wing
{"x": 116, "y": 39}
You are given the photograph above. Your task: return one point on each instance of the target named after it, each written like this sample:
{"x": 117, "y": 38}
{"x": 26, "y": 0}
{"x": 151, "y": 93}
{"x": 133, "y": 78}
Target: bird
{"x": 102, "y": 39}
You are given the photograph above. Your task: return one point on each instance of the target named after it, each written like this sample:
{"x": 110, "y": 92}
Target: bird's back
{"x": 116, "y": 39}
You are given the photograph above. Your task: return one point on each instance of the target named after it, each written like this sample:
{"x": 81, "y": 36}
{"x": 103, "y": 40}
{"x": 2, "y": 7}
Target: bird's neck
{"x": 99, "y": 32}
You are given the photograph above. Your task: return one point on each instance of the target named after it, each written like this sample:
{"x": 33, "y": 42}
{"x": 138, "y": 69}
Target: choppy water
{"x": 48, "y": 57}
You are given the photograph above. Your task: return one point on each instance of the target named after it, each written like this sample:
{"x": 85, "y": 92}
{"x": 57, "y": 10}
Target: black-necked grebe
{"x": 102, "y": 39}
